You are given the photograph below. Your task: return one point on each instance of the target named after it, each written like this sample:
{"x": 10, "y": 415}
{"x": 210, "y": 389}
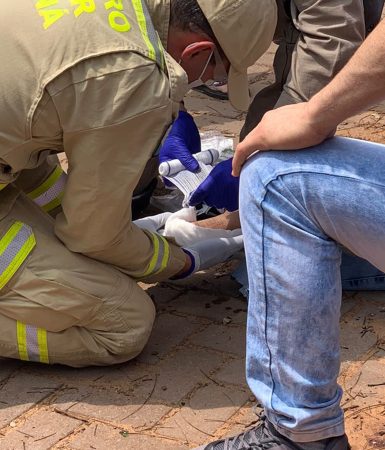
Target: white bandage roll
{"x": 174, "y": 166}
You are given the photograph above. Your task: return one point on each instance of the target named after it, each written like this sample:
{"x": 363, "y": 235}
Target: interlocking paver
{"x": 232, "y": 372}
{"x": 114, "y": 405}
{"x": 7, "y": 368}
{"x": 212, "y": 306}
{"x": 123, "y": 374}
{"x": 20, "y": 392}
{"x": 226, "y": 338}
{"x": 206, "y": 411}
{"x": 169, "y": 331}
{"x": 183, "y": 370}
{"x": 245, "y": 418}
{"x": 39, "y": 431}
{"x": 358, "y": 334}
{"x": 103, "y": 437}
{"x": 161, "y": 294}
{"x": 348, "y": 303}
{"x": 364, "y": 402}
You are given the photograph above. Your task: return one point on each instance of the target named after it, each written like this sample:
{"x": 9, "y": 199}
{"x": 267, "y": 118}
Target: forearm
{"x": 225, "y": 221}
{"x": 360, "y": 84}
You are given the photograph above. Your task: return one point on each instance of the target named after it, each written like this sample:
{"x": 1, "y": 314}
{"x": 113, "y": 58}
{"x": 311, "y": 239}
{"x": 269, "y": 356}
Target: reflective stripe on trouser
{"x": 149, "y": 34}
{"x": 15, "y": 246}
{"x": 62, "y": 307}
{"x": 32, "y": 343}
{"x": 50, "y": 193}
{"x": 160, "y": 258}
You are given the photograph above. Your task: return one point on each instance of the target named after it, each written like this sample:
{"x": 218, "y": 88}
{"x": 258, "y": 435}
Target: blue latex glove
{"x": 182, "y": 141}
{"x": 220, "y": 189}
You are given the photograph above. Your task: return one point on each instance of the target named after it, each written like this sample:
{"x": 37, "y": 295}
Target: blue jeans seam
{"x": 266, "y": 322}
{"x": 265, "y": 297}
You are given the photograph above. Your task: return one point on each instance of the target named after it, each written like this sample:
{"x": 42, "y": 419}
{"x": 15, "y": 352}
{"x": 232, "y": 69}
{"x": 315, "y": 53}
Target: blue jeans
{"x": 299, "y": 209}
{"x": 357, "y": 274}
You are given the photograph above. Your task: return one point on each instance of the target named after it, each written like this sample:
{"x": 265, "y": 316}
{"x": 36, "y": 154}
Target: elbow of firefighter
{"x": 88, "y": 243}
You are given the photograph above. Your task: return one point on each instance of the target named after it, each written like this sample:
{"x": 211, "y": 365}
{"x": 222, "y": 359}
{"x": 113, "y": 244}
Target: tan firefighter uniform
{"x": 89, "y": 77}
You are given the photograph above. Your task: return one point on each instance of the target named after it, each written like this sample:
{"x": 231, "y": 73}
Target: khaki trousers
{"x": 268, "y": 98}
{"x": 57, "y": 306}
{"x": 274, "y": 96}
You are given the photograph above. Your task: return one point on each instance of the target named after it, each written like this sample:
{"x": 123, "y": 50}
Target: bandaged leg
{"x": 185, "y": 229}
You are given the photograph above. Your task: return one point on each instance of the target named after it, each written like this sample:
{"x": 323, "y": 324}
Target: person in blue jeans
{"x": 299, "y": 210}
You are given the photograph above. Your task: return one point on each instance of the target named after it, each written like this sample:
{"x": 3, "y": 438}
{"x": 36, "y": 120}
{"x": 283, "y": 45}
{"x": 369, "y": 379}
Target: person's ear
{"x": 196, "y": 48}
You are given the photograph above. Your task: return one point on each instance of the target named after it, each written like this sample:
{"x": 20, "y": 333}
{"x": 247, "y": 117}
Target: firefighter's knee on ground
{"x": 134, "y": 321}
{"x": 117, "y": 332}
{"x": 116, "y": 335}
{"x": 143, "y": 319}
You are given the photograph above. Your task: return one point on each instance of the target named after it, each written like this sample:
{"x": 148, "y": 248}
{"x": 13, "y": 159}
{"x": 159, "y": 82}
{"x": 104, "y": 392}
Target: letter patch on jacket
{"x": 53, "y": 11}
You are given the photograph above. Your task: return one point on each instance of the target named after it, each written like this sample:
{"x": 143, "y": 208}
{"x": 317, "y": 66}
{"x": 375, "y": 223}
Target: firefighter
{"x": 102, "y": 82}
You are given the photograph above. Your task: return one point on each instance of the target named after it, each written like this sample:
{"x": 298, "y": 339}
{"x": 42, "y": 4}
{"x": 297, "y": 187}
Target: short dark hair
{"x": 186, "y": 15}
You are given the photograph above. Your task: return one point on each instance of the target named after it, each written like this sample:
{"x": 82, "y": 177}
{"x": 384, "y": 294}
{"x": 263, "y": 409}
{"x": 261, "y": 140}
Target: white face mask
{"x": 220, "y": 72}
{"x": 199, "y": 81}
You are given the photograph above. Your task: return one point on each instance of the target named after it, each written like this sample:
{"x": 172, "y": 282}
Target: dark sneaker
{"x": 266, "y": 437}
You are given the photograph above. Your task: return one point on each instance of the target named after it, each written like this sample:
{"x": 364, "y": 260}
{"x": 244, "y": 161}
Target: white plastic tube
{"x": 174, "y": 166}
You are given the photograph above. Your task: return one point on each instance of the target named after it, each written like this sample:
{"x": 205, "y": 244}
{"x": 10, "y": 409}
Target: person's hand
{"x": 182, "y": 141}
{"x": 287, "y": 128}
{"x": 220, "y": 189}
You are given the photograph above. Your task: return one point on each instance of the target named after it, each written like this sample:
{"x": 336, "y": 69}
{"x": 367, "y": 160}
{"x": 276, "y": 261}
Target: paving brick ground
{"x": 188, "y": 386}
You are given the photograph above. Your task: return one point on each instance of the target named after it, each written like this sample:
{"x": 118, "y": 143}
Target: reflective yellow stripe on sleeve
{"x": 2, "y": 186}
{"x": 32, "y": 343}
{"x": 160, "y": 257}
{"x": 50, "y": 193}
{"x": 15, "y": 246}
{"x": 149, "y": 34}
